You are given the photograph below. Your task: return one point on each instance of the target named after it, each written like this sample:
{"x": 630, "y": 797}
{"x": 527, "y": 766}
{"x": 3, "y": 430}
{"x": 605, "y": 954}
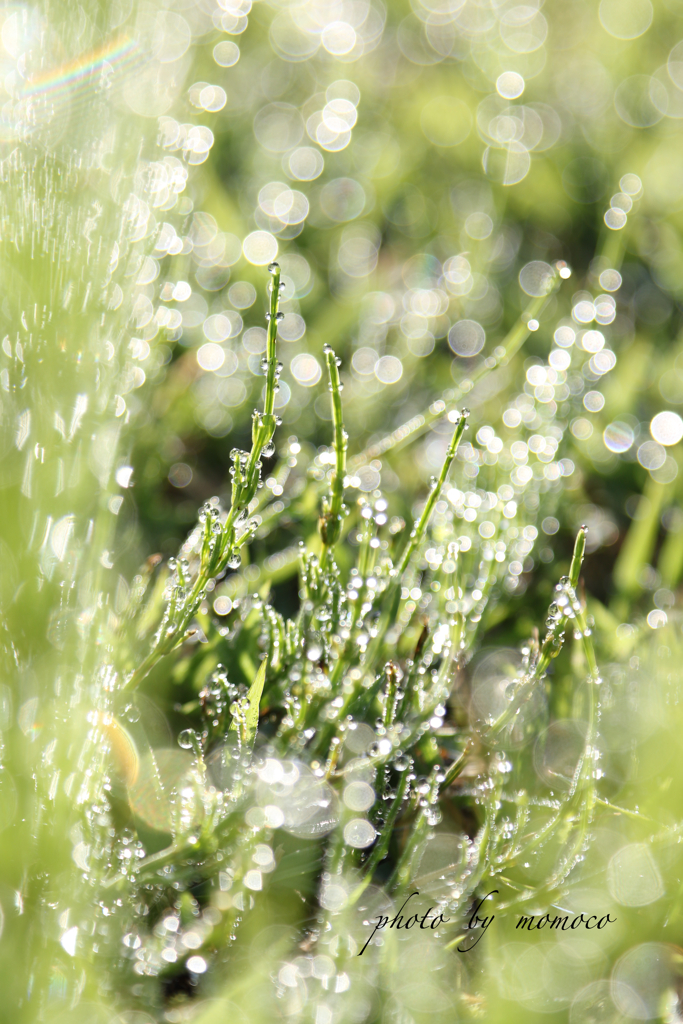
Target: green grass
{"x": 352, "y": 574}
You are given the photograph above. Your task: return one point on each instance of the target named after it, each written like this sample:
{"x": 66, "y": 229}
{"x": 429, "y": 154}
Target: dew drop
{"x": 187, "y": 739}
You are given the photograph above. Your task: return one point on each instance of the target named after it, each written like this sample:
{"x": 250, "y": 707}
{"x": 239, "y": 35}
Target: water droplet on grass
{"x": 187, "y": 739}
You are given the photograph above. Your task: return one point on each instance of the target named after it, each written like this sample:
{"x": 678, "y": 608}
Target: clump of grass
{"x": 333, "y": 763}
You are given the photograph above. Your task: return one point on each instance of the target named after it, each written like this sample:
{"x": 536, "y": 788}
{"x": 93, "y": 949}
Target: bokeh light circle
{"x": 222, "y": 605}
{"x": 292, "y": 327}
{"x": 171, "y": 37}
{"x": 507, "y": 165}
{"x": 241, "y": 294}
{"x": 625, "y": 19}
{"x": 667, "y": 428}
{"x": 618, "y": 437}
{"x": 389, "y": 369}
{"x": 510, "y": 85}
{"x": 615, "y": 219}
{"x": 467, "y": 338}
{"x": 305, "y": 163}
{"x": 610, "y": 280}
{"x": 359, "y": 833}
{"x": 290, "y": 41}
{"x": 210, "y": 356}
{"x": 523, "y": 28}
{"x": 641, "y": 976}
{"x": 640, "y": 100}
{"x": 338, "y": 38}
{"x": 633, "y": 878}
{"x": 536, "y": 278}
{"x": 359, "y": 796}
{"x": 594, "y": 1005}
{"x": 260, "y": 248}
{"x": 593, "y": 401}
{"x": 306, "y": 369}
{"x": 226, "y": 53}
{"x": 630, "y": 184}
{"x": 651, "y": 455}
{"x": 479, "y": 226}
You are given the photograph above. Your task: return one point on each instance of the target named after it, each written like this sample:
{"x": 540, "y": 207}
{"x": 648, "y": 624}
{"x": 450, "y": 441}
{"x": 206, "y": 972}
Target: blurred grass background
{"x": 408, "y": 187}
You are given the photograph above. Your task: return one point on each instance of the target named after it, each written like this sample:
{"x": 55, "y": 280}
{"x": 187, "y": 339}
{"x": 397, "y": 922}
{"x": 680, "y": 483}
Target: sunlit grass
{"x": 340, "y": 538}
